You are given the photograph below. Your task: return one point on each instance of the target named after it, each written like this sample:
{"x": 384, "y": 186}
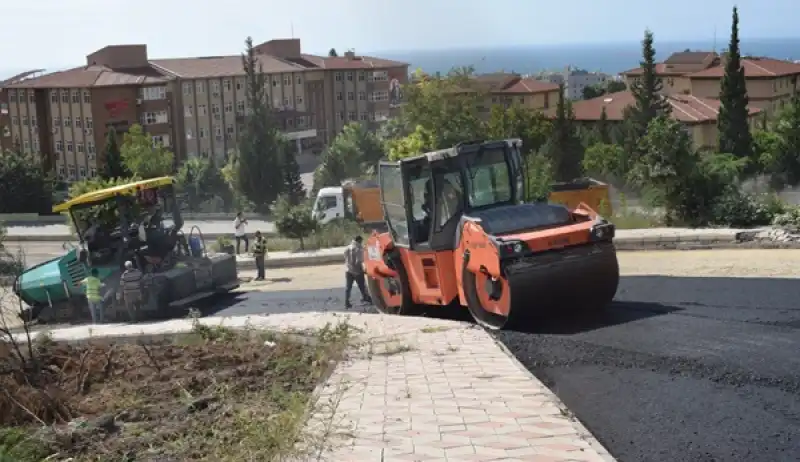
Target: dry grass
{"x": 215, "y": 394}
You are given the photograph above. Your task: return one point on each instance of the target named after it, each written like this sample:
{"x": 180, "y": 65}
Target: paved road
{"x": 208, "y": 227}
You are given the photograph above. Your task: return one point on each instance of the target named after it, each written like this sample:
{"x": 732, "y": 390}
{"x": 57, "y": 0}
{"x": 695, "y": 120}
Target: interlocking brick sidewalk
{"x": 418, "y": 389}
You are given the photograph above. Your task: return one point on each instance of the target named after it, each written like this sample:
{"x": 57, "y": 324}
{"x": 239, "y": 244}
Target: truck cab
{"x": 329, "y": 204}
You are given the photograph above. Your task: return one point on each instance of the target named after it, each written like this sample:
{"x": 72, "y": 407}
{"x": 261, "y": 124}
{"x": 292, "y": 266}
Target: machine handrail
{"x": 202, "y": 238}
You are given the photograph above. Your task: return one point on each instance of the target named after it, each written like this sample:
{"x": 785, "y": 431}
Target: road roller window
{"x": 421, "y": 202}
{"x": 490, "y": 179}
{"x": 393, "y": 202}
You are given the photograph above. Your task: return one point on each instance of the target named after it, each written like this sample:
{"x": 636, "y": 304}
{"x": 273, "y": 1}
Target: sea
{"x": 607, "y": 58}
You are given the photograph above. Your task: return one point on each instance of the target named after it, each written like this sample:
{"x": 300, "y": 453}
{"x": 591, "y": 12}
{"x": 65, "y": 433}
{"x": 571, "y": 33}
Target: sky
{"x": 58, "y": 33}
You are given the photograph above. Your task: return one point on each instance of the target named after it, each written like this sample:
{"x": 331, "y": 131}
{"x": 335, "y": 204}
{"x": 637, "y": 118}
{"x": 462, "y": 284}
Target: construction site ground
{"x": 696, "y": 360}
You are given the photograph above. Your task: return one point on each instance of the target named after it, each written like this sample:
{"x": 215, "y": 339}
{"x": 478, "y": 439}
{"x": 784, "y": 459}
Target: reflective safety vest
{"x": 93, "y": 289}
{"x": 260, "y": 246}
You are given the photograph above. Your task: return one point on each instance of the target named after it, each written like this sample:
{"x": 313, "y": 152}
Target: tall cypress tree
{"x": 260, "y": 176}
{"x": 564, "y": 148}
{"x": 648, "y": 101}
{"x": 734, "y": 131}
{"x": 113, "y": 168}
{"x": 603, "y": 130}
{"x": 293, "y": 185}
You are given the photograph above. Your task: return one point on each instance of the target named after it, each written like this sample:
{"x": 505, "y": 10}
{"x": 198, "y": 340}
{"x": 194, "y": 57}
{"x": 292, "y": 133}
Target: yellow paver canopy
{"x": 107, "y": 193}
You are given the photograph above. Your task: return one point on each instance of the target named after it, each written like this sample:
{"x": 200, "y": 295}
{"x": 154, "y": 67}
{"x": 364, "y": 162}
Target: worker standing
{"x": 354, "y": 271}
{"x": 131, "y": 289}
{"x": 259, "y": 252}
{"x": 93, "y": 296}
{"x": 240, "y": 232}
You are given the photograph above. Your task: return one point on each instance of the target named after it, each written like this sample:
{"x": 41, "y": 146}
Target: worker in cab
{"x": 354, "y": 271}
{"x": 259, "y": 253}
{"x": 93, "y": 286}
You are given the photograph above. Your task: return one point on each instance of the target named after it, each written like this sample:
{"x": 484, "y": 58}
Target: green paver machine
{"x": 119, "y": 224}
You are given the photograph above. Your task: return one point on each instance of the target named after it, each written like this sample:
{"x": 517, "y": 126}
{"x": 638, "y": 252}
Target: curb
{"x": 71, "y": 238}
{"x": 584, "y": 432}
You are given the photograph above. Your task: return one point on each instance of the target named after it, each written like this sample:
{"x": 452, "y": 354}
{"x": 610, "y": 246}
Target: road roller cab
{"x": 459, "y": 233}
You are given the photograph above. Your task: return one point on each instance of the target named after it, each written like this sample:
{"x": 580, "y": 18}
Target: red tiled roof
{"x": 92, "y": 76}
{"x": 753, "y": 68}
{"x": 220, "y": 66}
{"x": 525, "y": 86}
{"x": 685, "y": 108}
{"x": 661, "y": 69}
{"x": 357, "y": 62}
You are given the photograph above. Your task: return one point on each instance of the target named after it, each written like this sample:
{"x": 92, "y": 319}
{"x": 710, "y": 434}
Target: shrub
{"x": 741, "y": 210}
{"x": 788, "y": 218}
{"x": 294, "y": 221}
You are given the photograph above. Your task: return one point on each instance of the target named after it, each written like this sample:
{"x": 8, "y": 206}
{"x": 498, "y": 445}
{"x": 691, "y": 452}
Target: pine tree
{"x": 734, "y": 131}
{"x": 293, "y": 185}
{"x": 564, "y": 148}
{"x": 603, "y": 130}
{"x": 114, "y": 168}
{"x": 332, "y": 53}
{"x": 648, "y": 101}
{"x": 259, "y": 178}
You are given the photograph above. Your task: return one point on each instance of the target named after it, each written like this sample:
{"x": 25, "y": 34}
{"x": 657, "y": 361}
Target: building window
{"x": 338, "y": 76}
{"x": 300, "y": 122}
{"x": 59, "y": 146}
{"x": 87, "y": 97}
{"x": 215, "y": 108}
{"x": 69, "y": 146}
{"x": 202, "y": 133}
{"x": 67, "y": 122}
{"x": 228, "y": 107}
{"x": 12, "y": 96}
{"x": 152, "y": 93}
{"x": 187, "y": 88}
{"x": 275, "y": 81}
{"x": 215, "y": 88}
{"x": 65, "y": 96}
{"x": 230, "y": 130}
{"x": 298, "y": 99}
{"x": 150, "y": 118}
{"x": 26, "y": 146}
{"x": 76, "y": 97}
{"x": 363, "y": 116}
{"x": 72, "y": 171}
{"x": 83, "y": 172}
{"x": 188, "y": 133}
{"x": 377, "y": 96}
{"x": 350, "y": 96}
{"x": 160, "y": 140}
{"x": 226, "y": 84}
{"x": 93, "y": 172}
{"x": 188, "y": 110}
{"x": 78, "y": 122}
{"x": 379, "y": 76}
{"x": 31, "y": 97}
{"x": 201, "y": 110}
{"x": 239, "y": 84}
{"x": 361, "y": 77}
{"x": 200, "y": 86}
{"x": 24, "y": 121}
{"x": 287, "y": 80}
{"x": 362, "y": 96}
{"x": 56, "y": 121}
{"x": 299, "y": 80}
{"x": 338, "y": 96}
{"x": 53, "y": 96}
{"x": 286, "y": 102}
{"x": 35, "y": 145}
{"x": 33, "y": 121}
{"x": 340, "y": 116}
{"x": 90, "y": 150}
{"x": 240, "y": 107}
{"x": 349, "y": 76}
{"x": 79, "y": 147}
{"x": 351, "y": 116}
{"x": 89, "y": 123}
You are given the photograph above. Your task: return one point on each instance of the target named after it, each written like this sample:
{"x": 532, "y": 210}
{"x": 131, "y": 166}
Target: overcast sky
{"x": 52, "y": 33}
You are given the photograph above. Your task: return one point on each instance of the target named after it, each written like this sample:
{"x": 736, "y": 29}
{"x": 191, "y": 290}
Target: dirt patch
{"x": 214, "y": 394}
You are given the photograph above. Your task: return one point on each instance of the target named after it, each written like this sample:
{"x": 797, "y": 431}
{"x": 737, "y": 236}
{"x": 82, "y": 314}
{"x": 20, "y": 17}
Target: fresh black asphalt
{"x": 677, "y": 369}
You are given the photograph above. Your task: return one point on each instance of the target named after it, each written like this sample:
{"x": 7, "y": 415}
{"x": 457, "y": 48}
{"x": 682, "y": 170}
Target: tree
{"x": 259, "y": 178}
{"x": 293, "y": 185}
{"x": 25, "y": 187}
{"x": 332, "y": 53}
{"x": 649, "y": 103}
{"x": 593, "y": 91}
{"x": 604, "y": 160}
{"x": 564, "y": 148}
{"x": 294, "y": 221}
{"x": 732, "y": 121}
{"x": 142, "y": 158}
{"x": 353, "y": 153}
{"x": 531, "y": 127}
{"x": 603, "y": 128}
{"x": 779, "y": 153}
{"x": 203, "y": 182}
{"x": 614, "y": 86}
{"x": 113, "y": 168}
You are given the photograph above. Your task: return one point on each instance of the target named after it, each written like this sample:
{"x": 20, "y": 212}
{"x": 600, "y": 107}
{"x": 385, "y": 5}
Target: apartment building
{"x": 193, "y": 106}
{"x": 770, "y": 82}
{"x": 575, "y": 80}
{"x": 507, "y": 89}
{"x": 698, "y": 115}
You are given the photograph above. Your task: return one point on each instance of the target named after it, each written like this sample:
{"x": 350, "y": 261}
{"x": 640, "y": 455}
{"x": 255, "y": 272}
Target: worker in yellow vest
{"x": 93, "y": 296}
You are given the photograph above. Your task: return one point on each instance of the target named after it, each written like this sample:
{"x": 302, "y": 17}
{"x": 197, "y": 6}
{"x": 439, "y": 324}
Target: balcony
{"x": 301, "y": 134}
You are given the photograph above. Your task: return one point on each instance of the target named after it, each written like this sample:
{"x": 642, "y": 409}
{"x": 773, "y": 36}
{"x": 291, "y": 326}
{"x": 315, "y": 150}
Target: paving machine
{"x": 459, "y": 233}
{"x": 119, "y": 224}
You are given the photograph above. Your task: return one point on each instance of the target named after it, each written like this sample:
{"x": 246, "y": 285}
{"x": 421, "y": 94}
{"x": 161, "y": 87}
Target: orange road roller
{"x": 459, "y": 233}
